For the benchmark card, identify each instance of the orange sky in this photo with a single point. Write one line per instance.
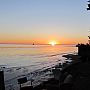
(43, 21)
(43, 40)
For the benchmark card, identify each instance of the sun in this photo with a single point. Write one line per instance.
(53, 43)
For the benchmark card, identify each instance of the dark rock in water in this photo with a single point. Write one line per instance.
(22, 80)
(27, 88)
(72, 57)
(52, 84)
(66, 86)
(56, 73)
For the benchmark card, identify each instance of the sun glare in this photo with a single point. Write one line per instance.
(53, 43)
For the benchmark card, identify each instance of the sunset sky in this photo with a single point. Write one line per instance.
(43, 21)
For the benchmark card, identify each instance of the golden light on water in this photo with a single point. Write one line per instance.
(53, 43)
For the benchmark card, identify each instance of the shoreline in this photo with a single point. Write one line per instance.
(71, 66)
(73, 57)
(68, 57)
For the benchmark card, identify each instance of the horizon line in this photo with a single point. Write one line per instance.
(36, 44)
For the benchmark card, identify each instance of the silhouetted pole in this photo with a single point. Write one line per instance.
(2, 85)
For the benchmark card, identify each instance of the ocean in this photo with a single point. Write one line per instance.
(29, 61)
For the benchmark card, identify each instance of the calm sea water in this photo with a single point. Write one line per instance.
(29, 55)
(18, 60)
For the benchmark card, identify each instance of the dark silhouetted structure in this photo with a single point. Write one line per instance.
(2, 85)
(84, 51)
(88, 5)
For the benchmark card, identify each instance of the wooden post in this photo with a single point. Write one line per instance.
(2, 85)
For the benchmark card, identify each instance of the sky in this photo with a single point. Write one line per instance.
(43, 21)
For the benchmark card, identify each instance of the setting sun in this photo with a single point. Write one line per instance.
(53, 43)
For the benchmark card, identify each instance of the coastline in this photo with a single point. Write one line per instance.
(70, 68)
(45, 79)
(74, 76)
(73, 57)
(49, 84)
